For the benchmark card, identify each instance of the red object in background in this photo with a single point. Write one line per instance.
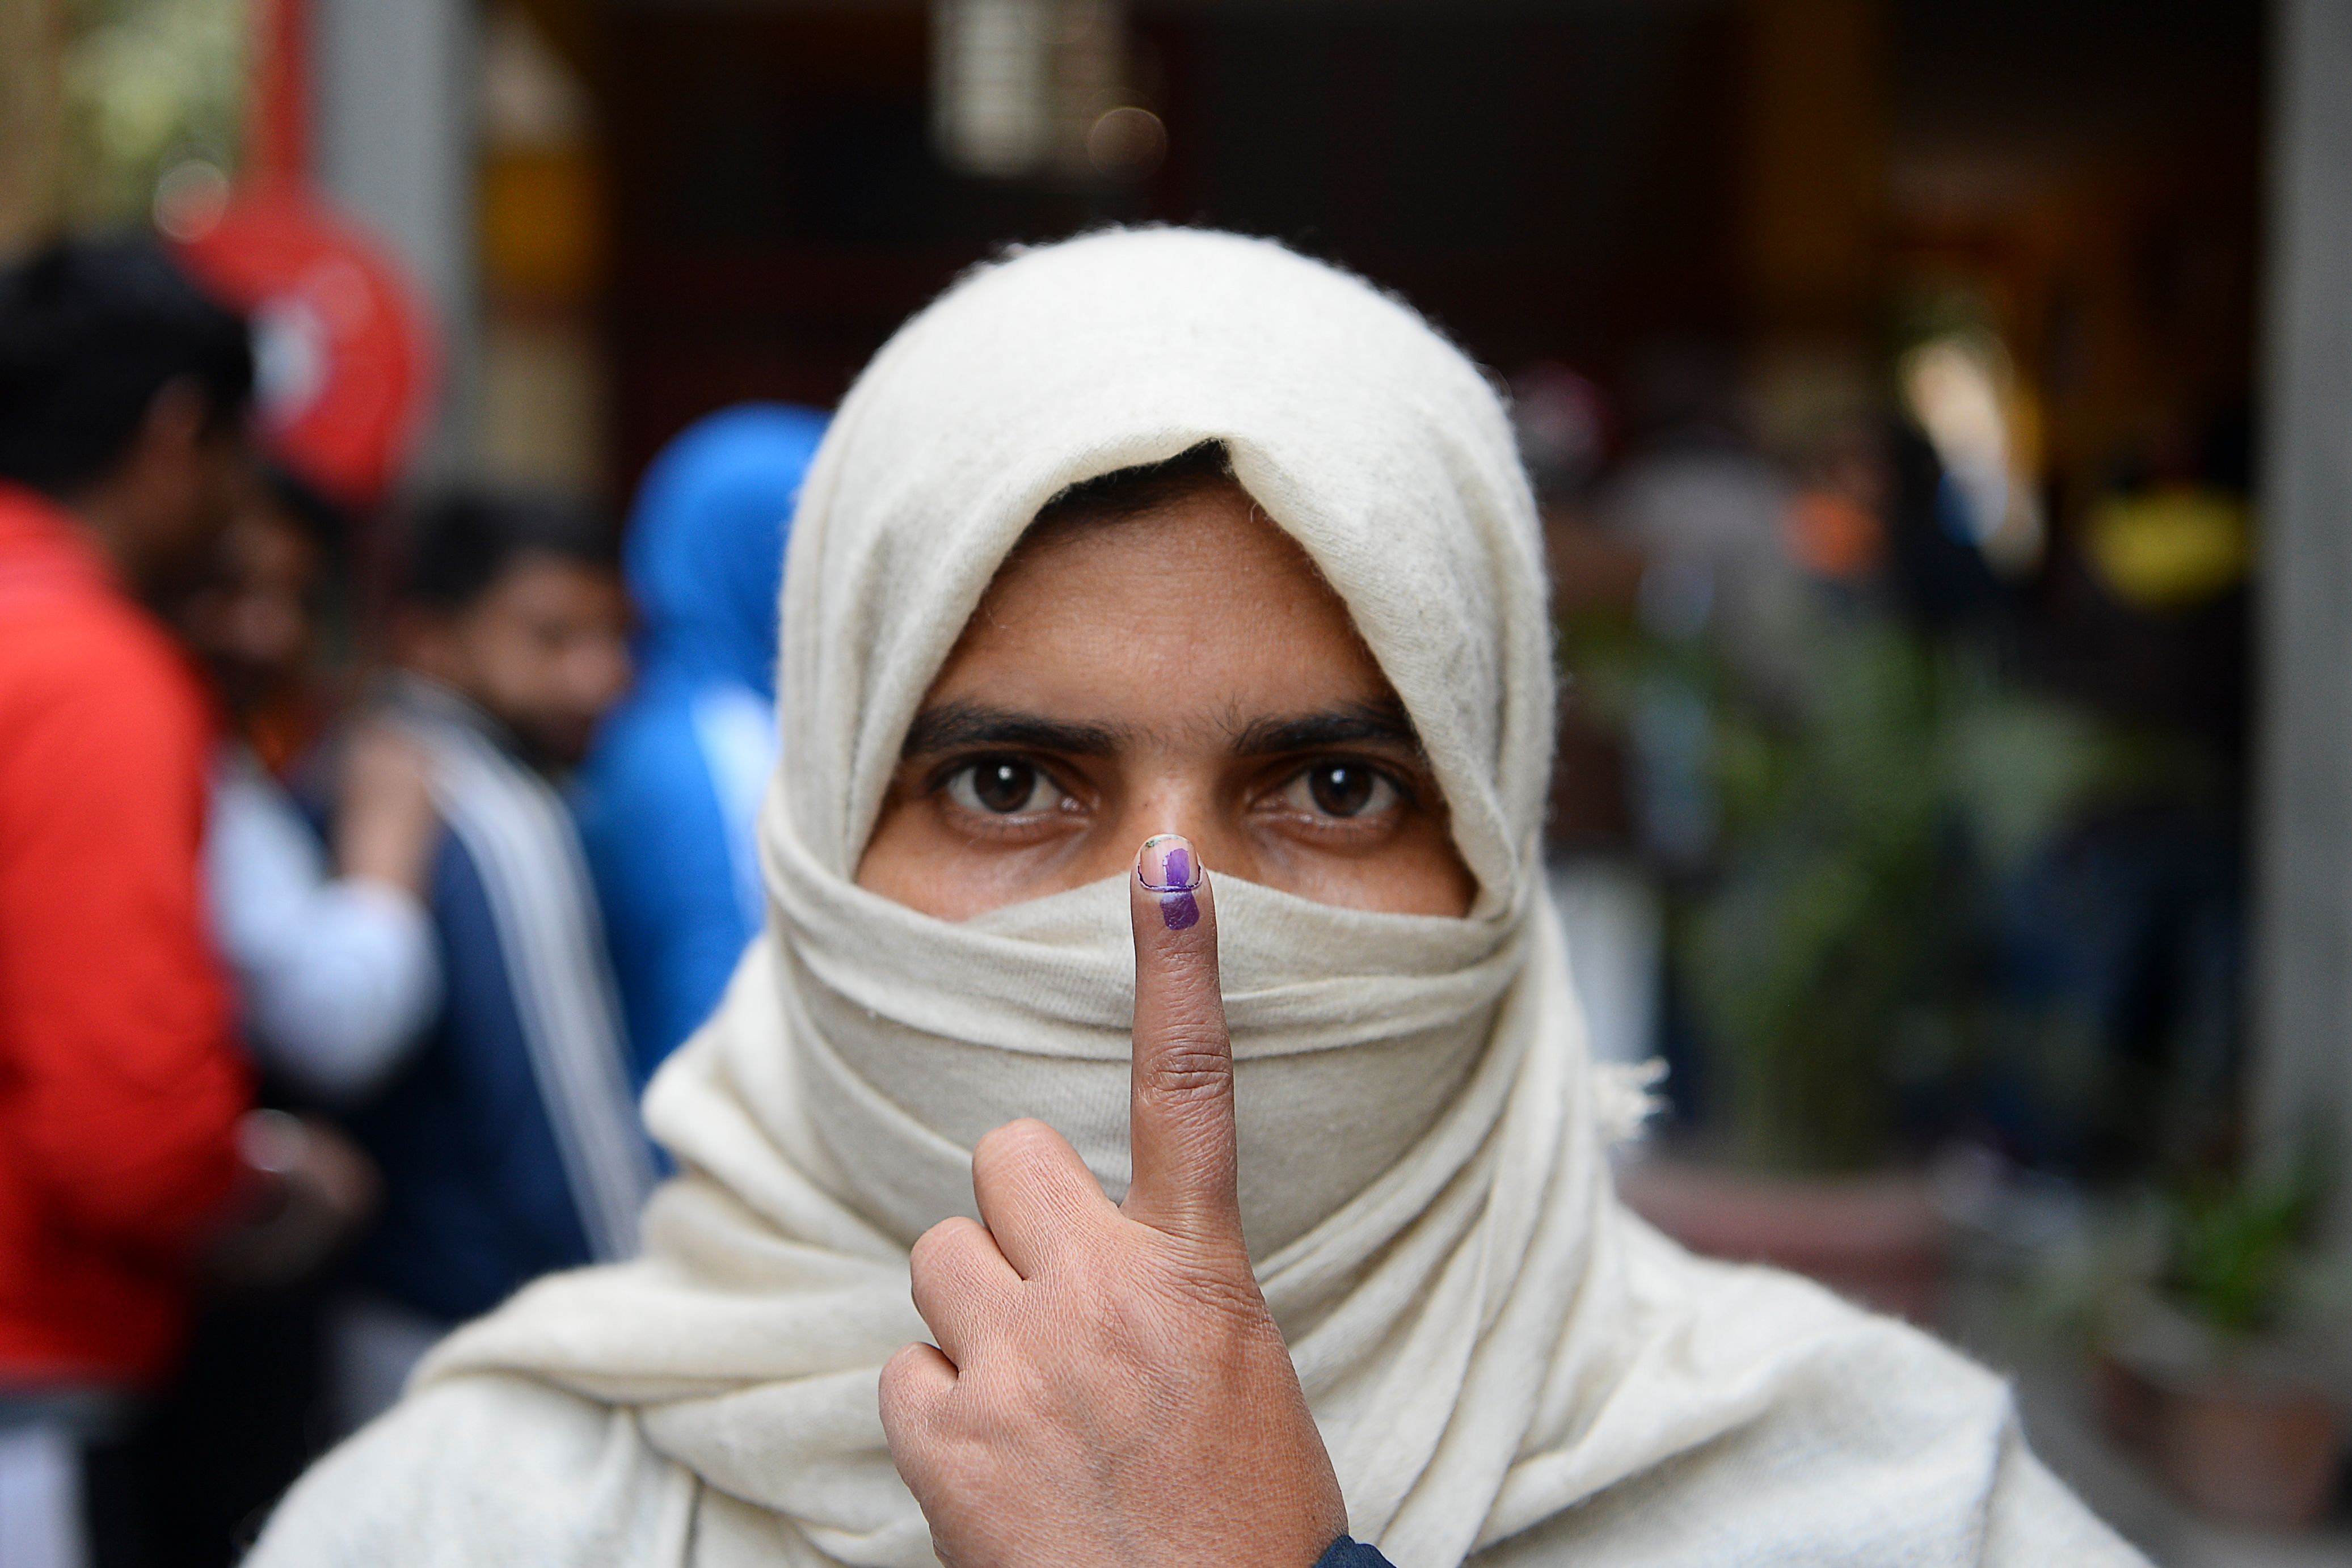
(343, 350)
(278, 101)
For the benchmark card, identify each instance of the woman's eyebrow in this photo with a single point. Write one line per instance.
(1353, 725)
(954, 725)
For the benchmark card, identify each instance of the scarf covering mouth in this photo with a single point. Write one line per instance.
(1485, 1338)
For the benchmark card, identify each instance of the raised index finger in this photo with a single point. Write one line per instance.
(1181, 1127)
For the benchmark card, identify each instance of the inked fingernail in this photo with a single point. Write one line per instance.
(1168, 864)
(1170, 868)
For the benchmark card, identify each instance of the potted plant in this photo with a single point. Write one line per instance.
(1820, 956)
(2221, 1361)
(1835, 799)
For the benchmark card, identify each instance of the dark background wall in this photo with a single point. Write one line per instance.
(1565, 181)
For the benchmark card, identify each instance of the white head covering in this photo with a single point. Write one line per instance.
(1484, 1336)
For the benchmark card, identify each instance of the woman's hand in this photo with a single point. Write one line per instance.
(1108, 1387)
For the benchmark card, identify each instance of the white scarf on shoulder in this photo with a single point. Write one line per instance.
(1483, 1335)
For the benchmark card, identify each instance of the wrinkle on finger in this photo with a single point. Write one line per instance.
(1035, 1194)
(962, 1287)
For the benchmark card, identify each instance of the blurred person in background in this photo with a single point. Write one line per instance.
(509, 1139)
(336, 972)
(127, 1156)
(2123, 936)
(1704, 508)
(336, 965)
(679, 771)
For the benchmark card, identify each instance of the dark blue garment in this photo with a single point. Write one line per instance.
(666, 796)
(476, 1202)
(1349, 1553)
(2123, 953)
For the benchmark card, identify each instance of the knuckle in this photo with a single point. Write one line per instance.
(1117, 1302)
(1133, 1333)
(937, 1248)
(899, 1385)
(1012, 1148)
(1234, 1300)
(1024, 1396)
(1192, 1061)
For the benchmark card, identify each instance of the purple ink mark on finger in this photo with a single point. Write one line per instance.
(1168, 866)
(1180, 910)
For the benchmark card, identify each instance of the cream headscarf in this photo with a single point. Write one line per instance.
(1484, 1336)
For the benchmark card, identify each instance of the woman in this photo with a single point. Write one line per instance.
(1008, 657)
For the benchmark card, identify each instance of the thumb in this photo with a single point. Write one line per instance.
(1180, 1112)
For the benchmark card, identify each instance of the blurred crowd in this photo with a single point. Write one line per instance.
(1932, 804)
(1901, 807)
(339, 931)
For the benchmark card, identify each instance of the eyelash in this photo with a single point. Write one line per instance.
(1401, 793)
(944, 781)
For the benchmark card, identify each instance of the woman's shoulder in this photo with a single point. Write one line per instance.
(487, 1470)
(1859, 1438)
(1742, 1502)
(1813, 1348)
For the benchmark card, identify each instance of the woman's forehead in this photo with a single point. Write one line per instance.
(1197, 613)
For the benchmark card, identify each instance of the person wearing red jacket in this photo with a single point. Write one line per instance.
(126, 1148)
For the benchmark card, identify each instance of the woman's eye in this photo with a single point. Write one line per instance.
(1341, 789)
(1002, 786)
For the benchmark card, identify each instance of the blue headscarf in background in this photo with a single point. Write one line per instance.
(669, 794)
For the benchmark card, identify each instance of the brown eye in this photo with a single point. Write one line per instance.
(1002, 786)
(1342, 789)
